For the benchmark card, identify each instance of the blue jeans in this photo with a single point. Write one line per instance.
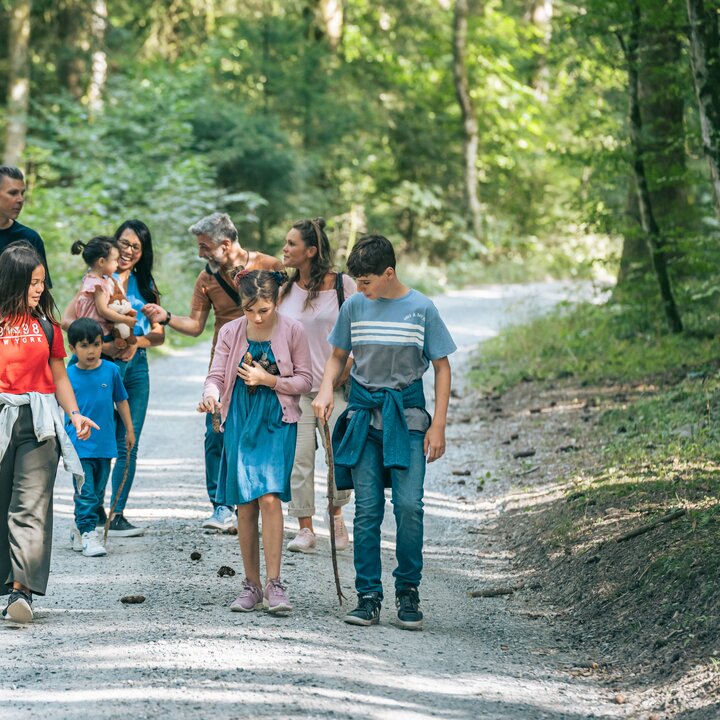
(407, 500)
(97, 472)
(137, 383)
(213, 453)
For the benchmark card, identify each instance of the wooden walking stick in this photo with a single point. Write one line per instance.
(115, 499)
(331, 507)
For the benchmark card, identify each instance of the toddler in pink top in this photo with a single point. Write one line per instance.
(98, 287)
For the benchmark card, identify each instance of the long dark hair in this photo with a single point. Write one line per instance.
(17, 263)
(312, 233)
(147, 287)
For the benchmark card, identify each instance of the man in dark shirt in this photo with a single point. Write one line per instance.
(12, 199)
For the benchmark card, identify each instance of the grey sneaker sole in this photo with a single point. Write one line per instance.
(98, 553)
(19, 611)
(409, 624)
(135, 532)
(306, 551)
(211, 525)
(353, 620)
(239, 608)
(282, 607)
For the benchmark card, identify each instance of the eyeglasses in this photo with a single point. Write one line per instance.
(125, 245)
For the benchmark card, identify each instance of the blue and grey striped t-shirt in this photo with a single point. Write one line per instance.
(393, 341)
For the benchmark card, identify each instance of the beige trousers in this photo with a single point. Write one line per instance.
(302, 481)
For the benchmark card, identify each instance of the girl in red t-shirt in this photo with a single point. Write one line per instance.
(32, 383)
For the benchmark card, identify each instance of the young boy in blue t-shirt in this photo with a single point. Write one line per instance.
(385, 436)
(99, 390)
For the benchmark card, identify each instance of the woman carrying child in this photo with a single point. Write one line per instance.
(101, 256)
(313, 296)
(270, 355)
(32, 383)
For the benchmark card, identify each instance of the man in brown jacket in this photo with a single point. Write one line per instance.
(218, 245)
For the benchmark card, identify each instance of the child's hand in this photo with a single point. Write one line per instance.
(209, 405)
(253, 374)
(434, 444)
(130, 319)
(129, 439)
(323, 405)
(82, 426)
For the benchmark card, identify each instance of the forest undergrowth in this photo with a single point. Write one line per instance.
(612, 439)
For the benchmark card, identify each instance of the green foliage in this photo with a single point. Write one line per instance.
(591, 343)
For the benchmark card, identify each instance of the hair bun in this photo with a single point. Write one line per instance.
(320, 222)
(280, 277)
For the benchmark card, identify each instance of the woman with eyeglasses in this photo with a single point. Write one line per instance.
(134, 273)
(313, 296)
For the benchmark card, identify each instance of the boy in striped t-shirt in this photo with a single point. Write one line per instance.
(385, 436)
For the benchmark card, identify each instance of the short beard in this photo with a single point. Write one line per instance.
(213, 265)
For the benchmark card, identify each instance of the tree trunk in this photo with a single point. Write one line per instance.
(18, 81)
(98, 74)
(652, 231)
(705, 57)
(332, 19)
(74, 47)
(539, 13)
(470, 125)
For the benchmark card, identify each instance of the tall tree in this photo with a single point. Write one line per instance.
(98, 70)
(539, 14)
(332, 14)
(469, 117)
(19, 80)
(705, 57)
(654, 238)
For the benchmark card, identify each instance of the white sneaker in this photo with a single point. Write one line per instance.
(76, 540)
(91, 546)
(303, 542)
(342, 538)
(223, 519)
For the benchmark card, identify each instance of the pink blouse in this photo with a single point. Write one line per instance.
(85, 304)
(318, 320)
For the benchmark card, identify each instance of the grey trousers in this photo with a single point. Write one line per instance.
(27, 478)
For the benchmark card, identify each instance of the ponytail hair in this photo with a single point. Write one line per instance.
(95, 249)
(254, 285)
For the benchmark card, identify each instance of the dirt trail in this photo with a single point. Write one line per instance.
(184, 654)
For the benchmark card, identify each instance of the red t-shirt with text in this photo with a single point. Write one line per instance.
(25, 356)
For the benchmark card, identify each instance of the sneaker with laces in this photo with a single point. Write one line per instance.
(222, 519)
(120, 527)
(367, 611)
(342, 538)
(303, 542)
(409, 616)
(251, 598)
(102, 517)
(19, 607)
(76, 540)
(275, 598)
(91, 545)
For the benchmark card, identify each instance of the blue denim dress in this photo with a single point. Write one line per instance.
(258, 447)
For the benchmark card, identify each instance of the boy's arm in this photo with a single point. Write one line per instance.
(123, 408)
(101, 304)
(434, 445)
(322, 405)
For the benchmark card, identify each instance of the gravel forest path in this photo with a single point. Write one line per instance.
(182, 654)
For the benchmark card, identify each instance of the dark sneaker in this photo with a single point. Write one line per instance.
(19, 607)
(120, 527)
(102, 517)
(407, 602)
(367, 612)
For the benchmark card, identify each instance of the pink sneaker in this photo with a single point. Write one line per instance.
(303, 542)
(251, 598)
(342, 539)
(275, 598)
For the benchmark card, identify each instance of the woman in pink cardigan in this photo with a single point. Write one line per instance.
(269, 353)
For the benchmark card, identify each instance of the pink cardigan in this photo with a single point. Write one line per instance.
(292, 356)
